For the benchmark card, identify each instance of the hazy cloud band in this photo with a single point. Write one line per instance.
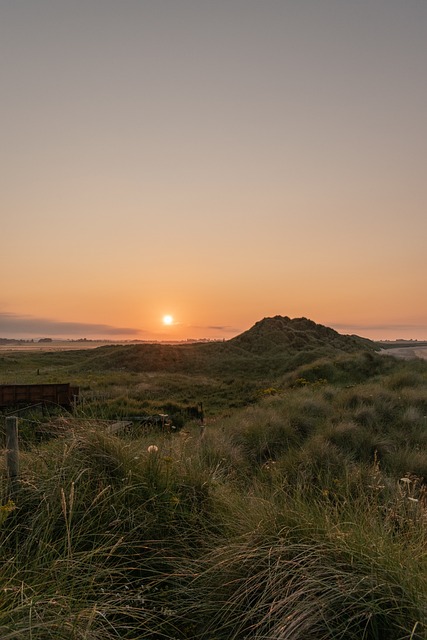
(18, 326)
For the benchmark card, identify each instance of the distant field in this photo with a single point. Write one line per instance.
(57, 345)
(68, 345)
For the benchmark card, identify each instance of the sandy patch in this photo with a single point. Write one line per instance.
(406, 353)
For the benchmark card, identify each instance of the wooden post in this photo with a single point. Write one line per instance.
(12, 449)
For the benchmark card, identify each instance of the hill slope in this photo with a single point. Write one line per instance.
(272, 335)
(272, 345)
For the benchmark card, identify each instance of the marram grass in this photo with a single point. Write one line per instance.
(302, 516)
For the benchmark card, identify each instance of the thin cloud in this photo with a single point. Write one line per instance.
(225, 328)
(20, 325)
(380, 327)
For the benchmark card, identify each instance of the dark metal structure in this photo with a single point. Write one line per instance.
(13, 395)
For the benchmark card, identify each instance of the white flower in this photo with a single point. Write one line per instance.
(153, 448)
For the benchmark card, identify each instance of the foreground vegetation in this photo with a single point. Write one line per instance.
(300, 514)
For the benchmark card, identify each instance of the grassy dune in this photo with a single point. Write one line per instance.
(300, 514)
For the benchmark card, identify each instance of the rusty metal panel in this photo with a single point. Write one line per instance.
(15, 394)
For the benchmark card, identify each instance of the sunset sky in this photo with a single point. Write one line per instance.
(217, 161)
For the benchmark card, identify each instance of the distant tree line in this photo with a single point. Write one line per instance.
(15, 341)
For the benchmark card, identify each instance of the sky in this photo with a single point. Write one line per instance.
(217, 161)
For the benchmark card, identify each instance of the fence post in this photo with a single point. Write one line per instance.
(12, 450)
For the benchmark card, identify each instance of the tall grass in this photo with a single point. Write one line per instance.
(303, 516)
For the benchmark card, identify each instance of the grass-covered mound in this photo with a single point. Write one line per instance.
(133, 380)
(301, 516)
(273, 345)
(283, 334)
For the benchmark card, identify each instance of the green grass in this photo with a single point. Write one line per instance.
(298, 512)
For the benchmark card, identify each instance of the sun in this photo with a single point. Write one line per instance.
(168, 320)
